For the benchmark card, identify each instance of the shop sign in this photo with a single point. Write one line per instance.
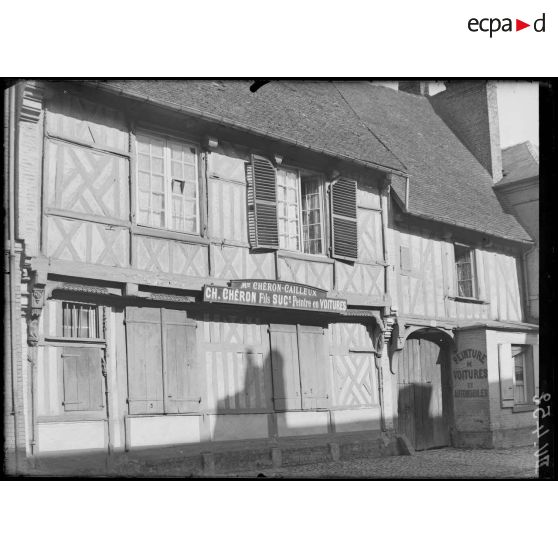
(274, 294)
(470, 374)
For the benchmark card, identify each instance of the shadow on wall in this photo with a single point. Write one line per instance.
(236, 413)
(251, 413)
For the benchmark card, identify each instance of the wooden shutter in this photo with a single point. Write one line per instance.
(314, 367)
(82, 379)
(478, 275)
(344, 241)
(285, 367)
(262, 204)
(181, 371)
(145, 368)
(506, 369)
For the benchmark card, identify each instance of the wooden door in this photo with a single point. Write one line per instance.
(422, 417)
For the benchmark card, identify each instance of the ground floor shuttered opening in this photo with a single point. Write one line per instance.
(160, 376)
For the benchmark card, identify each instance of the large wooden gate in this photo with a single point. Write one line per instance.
(422, 377)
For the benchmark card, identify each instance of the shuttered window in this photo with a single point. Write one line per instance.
(344, 219)
(262, 204)
(167, 178)
(286, 210)
(78, 339)
(163, 371)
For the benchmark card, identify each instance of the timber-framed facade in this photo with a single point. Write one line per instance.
(185, 276)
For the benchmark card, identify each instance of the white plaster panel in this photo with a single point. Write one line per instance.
(162, 430)
(68, 436)
(301, 423)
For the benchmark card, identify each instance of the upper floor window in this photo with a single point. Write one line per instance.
(287, 209)
(465, 271)
(300, 212)
(168, 189)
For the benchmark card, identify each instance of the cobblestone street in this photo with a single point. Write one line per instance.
(435, 464)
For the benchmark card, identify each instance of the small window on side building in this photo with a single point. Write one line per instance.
(520, 381)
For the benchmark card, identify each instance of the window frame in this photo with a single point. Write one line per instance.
(528, 384)
(323, 212)
(61, 343)
(167, 182)
(474, 282)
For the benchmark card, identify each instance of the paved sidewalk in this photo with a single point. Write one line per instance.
(439, 463)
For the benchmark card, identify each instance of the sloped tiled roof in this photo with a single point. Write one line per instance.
(368, 123)
(446, 181)
(519, 162)
(305, 113)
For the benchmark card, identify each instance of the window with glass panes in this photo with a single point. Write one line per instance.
(288, 209)
(464, 267)
(168, 193)
(312, 214)
(80, 320)
(300, 211)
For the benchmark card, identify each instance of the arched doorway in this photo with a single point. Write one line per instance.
(424, 390)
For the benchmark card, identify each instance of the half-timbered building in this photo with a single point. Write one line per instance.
(192, 264)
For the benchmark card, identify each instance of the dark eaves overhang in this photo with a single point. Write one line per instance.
(191, 111)
(447, 221)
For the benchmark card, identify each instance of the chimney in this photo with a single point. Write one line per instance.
(470, 109)
(415, 87)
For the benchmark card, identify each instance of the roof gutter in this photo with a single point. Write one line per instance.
(242, 127)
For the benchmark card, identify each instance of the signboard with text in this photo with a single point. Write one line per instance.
(274, 294)
(470, 374)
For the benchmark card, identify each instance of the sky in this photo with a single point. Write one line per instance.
(518, 111)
